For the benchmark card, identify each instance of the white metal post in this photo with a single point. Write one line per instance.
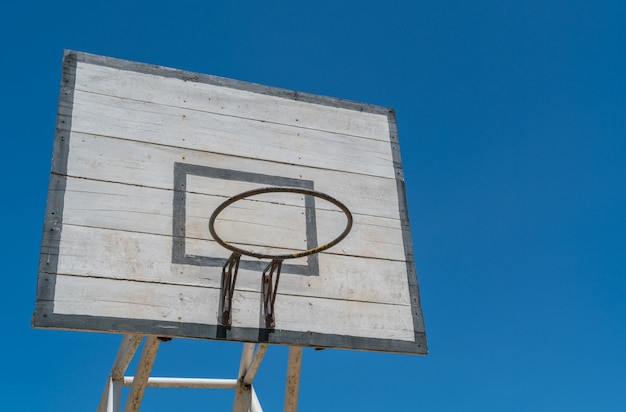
(112, 403)
(197, 383)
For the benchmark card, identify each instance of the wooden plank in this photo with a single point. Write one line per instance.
(139, 121)
(141, 164)
(102, 253)
(226, 101)
(146, 210)
(117, 206)
(153, 301)
(272, 234)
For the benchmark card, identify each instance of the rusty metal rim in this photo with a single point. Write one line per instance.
(254, 192)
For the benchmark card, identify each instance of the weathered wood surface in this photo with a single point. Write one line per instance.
(101, 204)
(115, 254)
(175, 303)
(117, 118)
(228, 102)
(150, 165)
(116, 191)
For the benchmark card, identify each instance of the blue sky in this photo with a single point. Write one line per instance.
(512, 123)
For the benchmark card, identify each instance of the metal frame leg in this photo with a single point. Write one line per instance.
(110, 401)
(111, 398)
(292, 388)
(140, 381)
(245, 400)
(245, 396)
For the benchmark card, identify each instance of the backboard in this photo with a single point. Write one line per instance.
(143, 155)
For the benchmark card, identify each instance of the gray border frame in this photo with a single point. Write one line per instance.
(44, 315)
(182, 170)
(53, 220)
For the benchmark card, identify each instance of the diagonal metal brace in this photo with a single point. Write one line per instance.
(269, 286)
(229, 277)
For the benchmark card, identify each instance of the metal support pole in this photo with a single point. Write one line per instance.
(113, 396)
(246, 357)
(245, 396)
(110, 401)
(294, 364)
(246, 399)
(254, 365)
(256, 405)
(198, 383)
(148, 354)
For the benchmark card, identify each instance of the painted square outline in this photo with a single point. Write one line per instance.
(179, 255)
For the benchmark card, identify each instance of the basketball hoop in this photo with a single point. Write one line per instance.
(268, 284)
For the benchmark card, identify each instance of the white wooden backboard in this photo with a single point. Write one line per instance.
(142, 157)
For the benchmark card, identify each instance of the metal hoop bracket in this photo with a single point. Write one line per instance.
(229, 277)
(269, 286)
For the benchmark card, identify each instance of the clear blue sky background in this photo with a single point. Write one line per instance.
(512, 122)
